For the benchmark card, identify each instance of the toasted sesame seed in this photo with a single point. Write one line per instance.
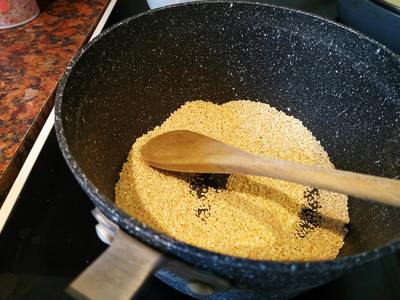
(245, 216)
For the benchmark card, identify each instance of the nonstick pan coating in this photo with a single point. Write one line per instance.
(343, 86)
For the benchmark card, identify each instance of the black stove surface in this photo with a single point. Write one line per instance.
(50, 236)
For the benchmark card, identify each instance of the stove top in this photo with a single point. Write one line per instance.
(50, 238)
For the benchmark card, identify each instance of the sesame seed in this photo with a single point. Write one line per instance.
(245, 216)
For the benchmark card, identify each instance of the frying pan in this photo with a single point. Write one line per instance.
(344, 86)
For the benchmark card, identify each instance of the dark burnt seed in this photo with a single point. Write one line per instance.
(200, 183)
(203, 212)
(309, 215)
(199, 186)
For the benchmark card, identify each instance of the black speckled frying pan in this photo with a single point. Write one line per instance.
(342, 85)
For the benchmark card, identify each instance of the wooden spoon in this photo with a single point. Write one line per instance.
(187, 151)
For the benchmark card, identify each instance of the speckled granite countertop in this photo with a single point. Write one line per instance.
(32, 60)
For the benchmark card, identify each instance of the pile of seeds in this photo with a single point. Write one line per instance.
(245, 216)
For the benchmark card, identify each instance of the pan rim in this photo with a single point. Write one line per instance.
(168, 244)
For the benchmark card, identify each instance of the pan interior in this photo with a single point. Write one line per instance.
(343, 87)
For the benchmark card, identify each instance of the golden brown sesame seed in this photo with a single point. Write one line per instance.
(250, 217)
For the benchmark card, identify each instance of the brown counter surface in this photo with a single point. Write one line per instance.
(33, 58)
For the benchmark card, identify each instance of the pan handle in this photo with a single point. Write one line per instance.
(120, 271)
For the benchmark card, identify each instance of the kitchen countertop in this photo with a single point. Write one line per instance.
(33, 58)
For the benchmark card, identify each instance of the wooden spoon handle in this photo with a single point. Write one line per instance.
(359, 185)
